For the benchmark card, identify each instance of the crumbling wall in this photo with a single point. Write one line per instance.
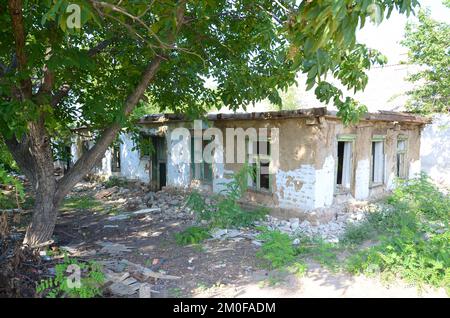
(132, 166)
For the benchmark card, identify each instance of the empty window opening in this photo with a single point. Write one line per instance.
(377, 162)
(401, 159)
(344, 164)
(260, 164)
(200, 170)
(115, 159)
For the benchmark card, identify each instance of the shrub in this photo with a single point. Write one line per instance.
(192, 235)
(90, 281)
(226, 212)
(277, 250)
(414, 237)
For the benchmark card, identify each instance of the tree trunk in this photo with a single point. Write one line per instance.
(43, 222)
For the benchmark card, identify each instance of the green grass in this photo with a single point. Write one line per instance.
(81, 203)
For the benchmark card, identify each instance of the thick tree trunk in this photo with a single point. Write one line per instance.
(43, 222)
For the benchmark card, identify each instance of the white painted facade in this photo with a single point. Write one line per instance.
(435, 149)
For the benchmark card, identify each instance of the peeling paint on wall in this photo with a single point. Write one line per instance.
(132, 166)
(178, 166)
(324, 187)
(287, 184)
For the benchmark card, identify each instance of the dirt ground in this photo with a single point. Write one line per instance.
(216, 268)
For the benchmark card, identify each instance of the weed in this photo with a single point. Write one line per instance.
(61, 285)
(192, 235)
(227, 212)
(299, 269)
(414, 237)
(277, 249)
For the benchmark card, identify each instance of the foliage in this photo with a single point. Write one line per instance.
(277, 250)
(250, 58)
(6, 159)
(421, 197)
(192, 235)
(59, 286)
(429, 48)
(414, 237)
(227, 212)
(6, 201)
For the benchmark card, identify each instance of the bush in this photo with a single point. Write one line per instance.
(414, 237)
(192, 235)
(277, 250)
(90, 281)
(227, 212)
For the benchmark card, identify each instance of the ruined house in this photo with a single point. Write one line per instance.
(321, 162)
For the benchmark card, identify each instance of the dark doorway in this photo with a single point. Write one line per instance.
(162, 175)
(158, 162)
(340, 163)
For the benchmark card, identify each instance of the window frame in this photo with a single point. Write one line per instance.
(377, 139)
(351, 138)
(255, 185)
(404, 152)
(200, 167)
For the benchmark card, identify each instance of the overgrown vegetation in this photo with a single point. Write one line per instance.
(73, 279)
(277, 250)
(409, 240)
(413, 237)
(226, 212)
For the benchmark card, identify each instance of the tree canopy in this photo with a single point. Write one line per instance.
(89, 63)
(429, 48)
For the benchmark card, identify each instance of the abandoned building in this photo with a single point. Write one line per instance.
(321, 161)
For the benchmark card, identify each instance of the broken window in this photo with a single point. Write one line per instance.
(259, 161)
(401, 159)
(145, 146)
(200, 170)
(115, 158)
(344, 164)
(377, 160)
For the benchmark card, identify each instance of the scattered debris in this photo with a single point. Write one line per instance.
(125, 216)
(113, 248)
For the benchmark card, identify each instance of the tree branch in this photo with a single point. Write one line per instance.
(93, 155)
(65, 89)
(15, 10)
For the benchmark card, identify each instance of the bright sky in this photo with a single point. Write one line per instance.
(386, 87)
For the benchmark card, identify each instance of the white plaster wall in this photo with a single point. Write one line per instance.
(414, 169)
(362, 179)
(131, 165)
(296, 188)
(178, 160)
(324, 185)
(435, 149)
